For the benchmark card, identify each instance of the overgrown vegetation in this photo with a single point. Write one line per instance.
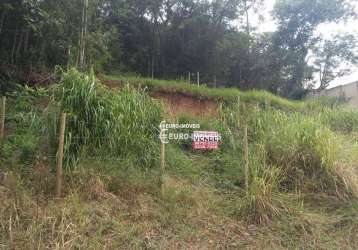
(120, 124)
(167, 40)
(343, 121)
(302, 173)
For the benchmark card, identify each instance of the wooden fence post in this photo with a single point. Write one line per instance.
(189, 77)
(2, 118)
(60, 155)
(198, 78)
(246, 159)
(162, 166)
(267, 103)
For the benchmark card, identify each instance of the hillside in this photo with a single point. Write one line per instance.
(202, 92)
(303, 169)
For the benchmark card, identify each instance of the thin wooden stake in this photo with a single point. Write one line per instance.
(2, 118)
(189, 77)
(267, 103)
(60, 155)
(162, 166)
(246, 159)
(198, 78)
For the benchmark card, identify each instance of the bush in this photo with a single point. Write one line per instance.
(26, 127)
(262, 202)
(302, 147)
(340, 120)
(288, 152)
(122, 124)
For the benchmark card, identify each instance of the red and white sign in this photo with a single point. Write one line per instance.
(205, 140)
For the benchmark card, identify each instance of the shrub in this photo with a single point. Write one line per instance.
(262, 202)
(322, 102)
(340, 120)
(288, 152)
(302, 147)
(100, 121)
(26, 126)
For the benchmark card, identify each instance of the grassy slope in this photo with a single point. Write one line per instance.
(110, 205)
(124, 211)
(227, 94)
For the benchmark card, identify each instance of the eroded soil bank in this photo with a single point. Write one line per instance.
(176, 103)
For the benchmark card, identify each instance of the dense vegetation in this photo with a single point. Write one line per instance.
(302, 173)
(117, 68)
(117, 123)
(168, 39)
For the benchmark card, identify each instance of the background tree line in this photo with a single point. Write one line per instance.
(169, 38)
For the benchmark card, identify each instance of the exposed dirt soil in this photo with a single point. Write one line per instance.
(176, 103)
(111, 83)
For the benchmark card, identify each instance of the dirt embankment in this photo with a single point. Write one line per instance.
(177, 103)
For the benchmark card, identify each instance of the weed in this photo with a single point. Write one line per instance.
(340, 120)
(118, 124)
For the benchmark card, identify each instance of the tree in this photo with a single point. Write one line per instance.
(297, 20)
(169, 38)
(335, 58)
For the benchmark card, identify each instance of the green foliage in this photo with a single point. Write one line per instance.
(298, 144)
(121, 124)
(331, 54)
(168, 40)
(323, 102)
(179, 163)
(340, 120)
(297, 21)
(20, 152)
(288, 152)
(26, 111)
(263, 201)
(303, 147)
(229, 95)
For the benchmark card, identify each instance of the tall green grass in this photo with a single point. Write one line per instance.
(289, 152)
(26, 127)
(102, 122)
(340, 120)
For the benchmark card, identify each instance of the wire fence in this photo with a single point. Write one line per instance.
(57, 153)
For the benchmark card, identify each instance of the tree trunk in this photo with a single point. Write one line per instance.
(249, 63)
(247, 22)
(153, 61)
(19, 45)
(2, 20)
(148, 68)
(69, 56)
(82, 45)
(13, 47)
(159, 38)
(154, 49)
(26, 42)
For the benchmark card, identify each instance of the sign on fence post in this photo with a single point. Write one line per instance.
(201, 140)
(205, 140)
(60, 155)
